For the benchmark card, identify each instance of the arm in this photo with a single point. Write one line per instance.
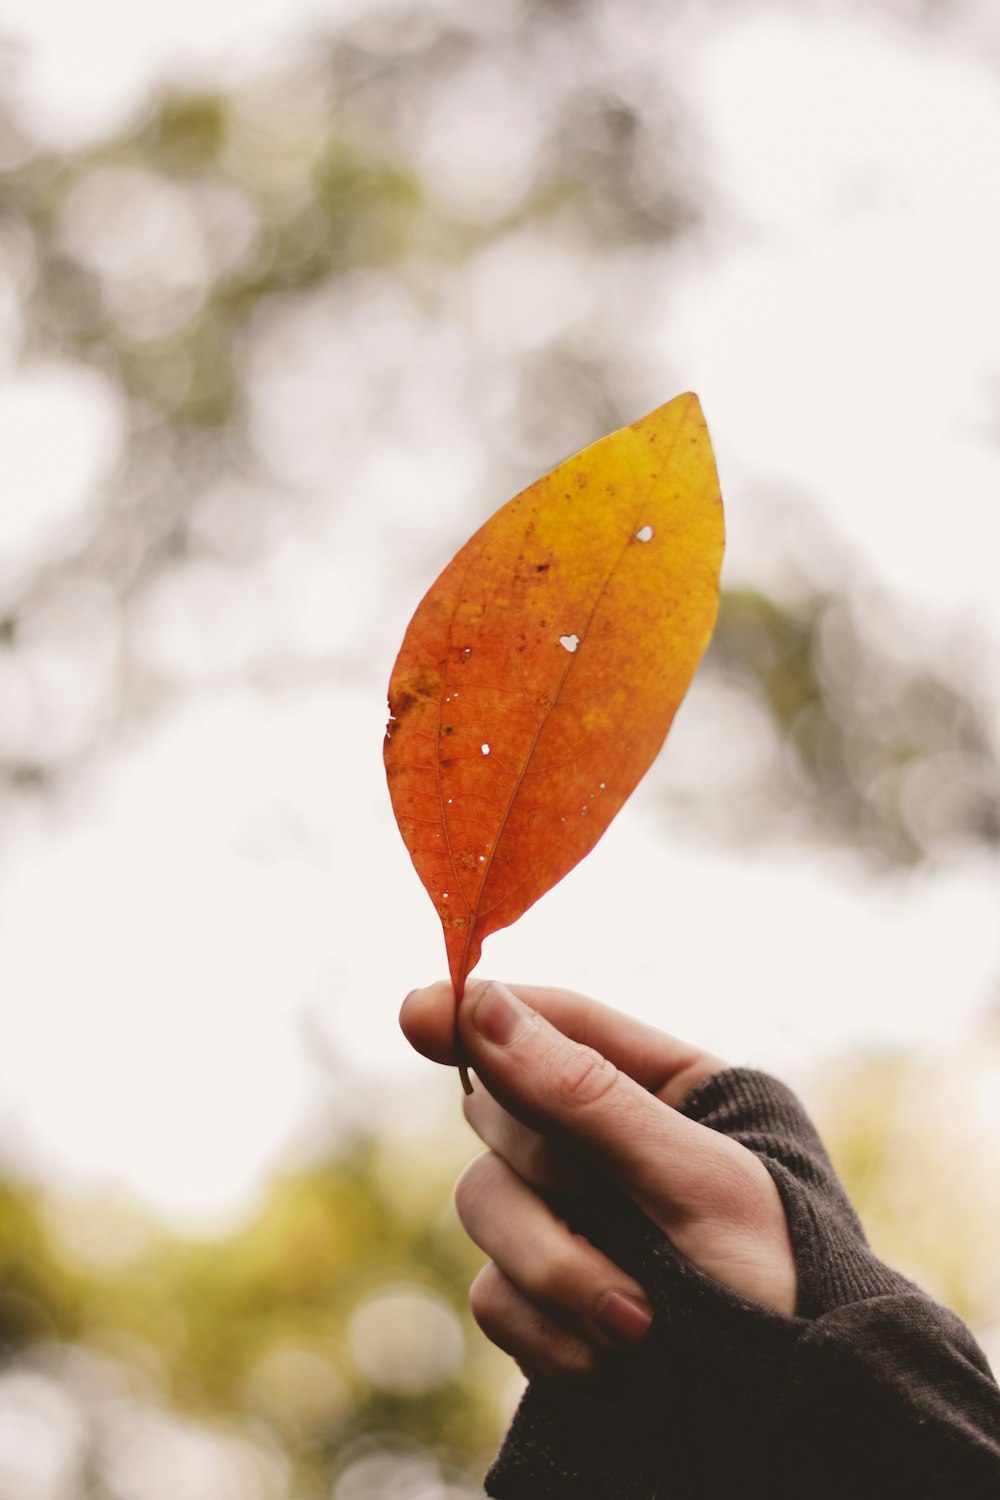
(673, 1260)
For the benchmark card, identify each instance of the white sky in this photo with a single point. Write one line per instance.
(844, 335)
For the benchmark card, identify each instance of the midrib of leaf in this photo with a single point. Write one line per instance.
(475, 913)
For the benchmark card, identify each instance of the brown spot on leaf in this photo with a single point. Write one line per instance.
(400, 704)
(416, 687)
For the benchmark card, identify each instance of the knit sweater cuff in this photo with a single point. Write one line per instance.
(727, 1397)
(834, 1264)
(711, 1349)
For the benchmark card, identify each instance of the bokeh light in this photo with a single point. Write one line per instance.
(406, 1339)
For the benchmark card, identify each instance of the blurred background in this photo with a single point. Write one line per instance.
(292, 296)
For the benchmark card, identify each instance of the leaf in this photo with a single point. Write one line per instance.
(542, 671)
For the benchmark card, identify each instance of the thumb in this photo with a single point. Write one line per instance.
(668, 1164)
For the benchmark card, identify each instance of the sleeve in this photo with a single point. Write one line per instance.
(870, 1390)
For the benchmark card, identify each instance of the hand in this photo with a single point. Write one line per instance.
(577, 1100)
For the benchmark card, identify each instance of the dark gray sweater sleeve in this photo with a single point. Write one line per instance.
(871, 1391)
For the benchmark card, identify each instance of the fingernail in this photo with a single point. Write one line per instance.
(499, 1016)
(411, 996)
(421, 989)
(624, 1318)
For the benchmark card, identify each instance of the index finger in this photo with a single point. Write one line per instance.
(658, 1061)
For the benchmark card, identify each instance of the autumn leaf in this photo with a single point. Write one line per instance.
(541, 672)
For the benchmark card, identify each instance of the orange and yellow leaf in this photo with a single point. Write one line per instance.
(542, 671)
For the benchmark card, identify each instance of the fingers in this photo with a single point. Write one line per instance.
(670, 1166)
(538, 1160)
(427, 1019)
(713, 1198)
(539, 1344)
(660, 1063)
(559, 1276)
(572, 1080)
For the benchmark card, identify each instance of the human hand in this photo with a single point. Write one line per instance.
(578, 1100)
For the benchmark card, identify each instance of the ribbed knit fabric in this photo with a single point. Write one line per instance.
(870, 1390)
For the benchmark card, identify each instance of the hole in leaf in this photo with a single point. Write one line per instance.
(569, 642)
(485, 749)
(644, 534)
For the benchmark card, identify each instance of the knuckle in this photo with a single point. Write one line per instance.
(539, 1162)
(522, 1329)
(532, 1154)
(555, 1281)
(486, 1301)
(584, 1077)
(474, 1188)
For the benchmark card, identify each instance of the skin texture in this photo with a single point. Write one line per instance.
(576, 1102)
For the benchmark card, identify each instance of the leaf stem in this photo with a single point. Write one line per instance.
(460, 1058)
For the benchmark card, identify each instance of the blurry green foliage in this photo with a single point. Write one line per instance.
(257, 1333)
(186, 134)
(900, 1129)
(38, 1297)
(893, 757)
(310, 181)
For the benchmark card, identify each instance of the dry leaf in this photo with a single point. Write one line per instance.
(541, 672)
